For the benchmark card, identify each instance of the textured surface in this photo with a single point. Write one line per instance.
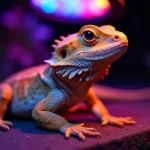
(26, 134)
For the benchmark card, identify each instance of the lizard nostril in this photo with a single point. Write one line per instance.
(116, 37)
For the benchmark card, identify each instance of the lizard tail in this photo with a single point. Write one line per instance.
(117, 94)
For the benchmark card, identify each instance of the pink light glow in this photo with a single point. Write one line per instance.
(95, 10)
(37, 3)
(70, 9)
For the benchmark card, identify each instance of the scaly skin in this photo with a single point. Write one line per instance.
(45, 91)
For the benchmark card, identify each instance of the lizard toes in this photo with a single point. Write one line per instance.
(4, 127)
(8, 123)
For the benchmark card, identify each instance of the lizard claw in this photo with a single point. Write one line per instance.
(80, 131)
(117, 121)
(4, 125)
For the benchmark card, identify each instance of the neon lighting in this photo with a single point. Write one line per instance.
(73, 9)
(49, 6)
(102, 3)
(37, 3)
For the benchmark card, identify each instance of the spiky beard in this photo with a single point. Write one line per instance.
(84, 74)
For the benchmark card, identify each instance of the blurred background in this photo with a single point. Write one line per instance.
(29, 27)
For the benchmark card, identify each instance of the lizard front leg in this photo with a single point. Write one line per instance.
(5, 98)
(102, 113)
(44, 114)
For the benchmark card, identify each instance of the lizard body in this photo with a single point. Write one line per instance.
(79, 61)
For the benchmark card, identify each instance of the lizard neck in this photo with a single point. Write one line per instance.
(50, 78)
(74, 87)
(77, 87)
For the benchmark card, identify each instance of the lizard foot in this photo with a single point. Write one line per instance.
(117, 121)
(4, 125)
(80, 131)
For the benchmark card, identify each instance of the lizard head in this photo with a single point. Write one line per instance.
(86, 55)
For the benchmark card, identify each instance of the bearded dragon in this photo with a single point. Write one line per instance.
(46, 91)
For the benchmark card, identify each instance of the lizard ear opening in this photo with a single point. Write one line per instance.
(62, 53)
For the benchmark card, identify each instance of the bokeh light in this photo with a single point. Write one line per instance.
(49, 6)
(70, 10)
(25, 40)
(101, 3)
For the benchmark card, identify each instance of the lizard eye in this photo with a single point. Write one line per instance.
(89, 37)
(62, 53)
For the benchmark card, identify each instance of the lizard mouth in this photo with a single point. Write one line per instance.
(117, 51)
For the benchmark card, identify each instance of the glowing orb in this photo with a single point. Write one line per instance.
(72, 10)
